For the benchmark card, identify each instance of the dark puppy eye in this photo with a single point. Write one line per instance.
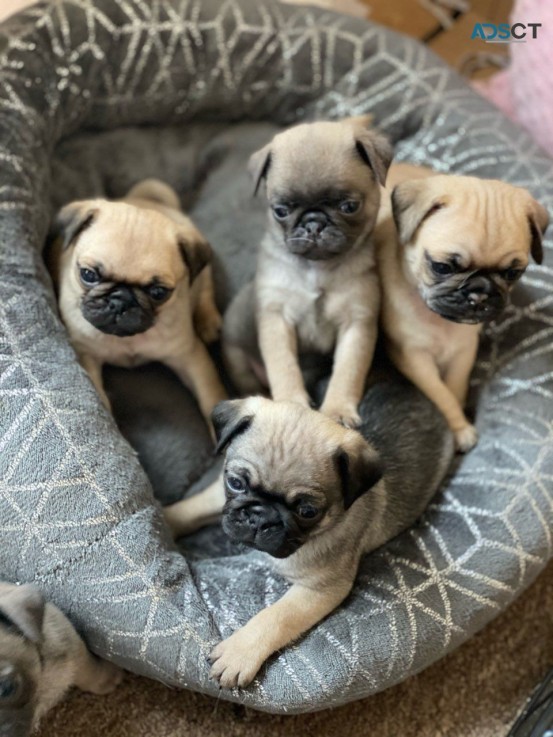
(9, 685)
(281, 211)
(307, 511)
(349, 207)
(441, 269)
(512, 274)
(90, 277)
(158, 293)
(236, 484)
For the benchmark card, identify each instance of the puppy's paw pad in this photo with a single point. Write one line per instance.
(234, 664)
(466, 438)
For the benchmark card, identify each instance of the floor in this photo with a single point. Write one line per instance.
(474, 692)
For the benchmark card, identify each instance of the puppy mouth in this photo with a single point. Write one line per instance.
(265, 536)
(132, 322)
(330, 243)
(113, 315)
(458, 306)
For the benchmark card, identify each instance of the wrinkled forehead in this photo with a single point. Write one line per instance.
(131, 244)
(283, 453)
(16, 650)
(486, 222)
(313, 160)
(484, 200)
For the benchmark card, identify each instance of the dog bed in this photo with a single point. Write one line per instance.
(95, 94)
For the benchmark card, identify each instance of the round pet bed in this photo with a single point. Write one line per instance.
(95, 94)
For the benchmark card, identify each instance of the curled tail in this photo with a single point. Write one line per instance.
(157, 191)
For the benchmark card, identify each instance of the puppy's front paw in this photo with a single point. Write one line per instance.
(466, 438)
(109, 677)
(235, 661)
(345, 414)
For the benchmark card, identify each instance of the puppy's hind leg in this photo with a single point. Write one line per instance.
(189, 515)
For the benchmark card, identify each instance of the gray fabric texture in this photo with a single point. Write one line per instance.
(94, 95)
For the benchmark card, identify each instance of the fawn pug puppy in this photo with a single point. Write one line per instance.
(315, 496)
(316, 288)
(450, 249)
(134, 286)
(41, 657)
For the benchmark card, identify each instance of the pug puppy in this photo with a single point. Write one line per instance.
(41, 657)
(134, 286)
(316, 290)
(315, 496)
(450, 249)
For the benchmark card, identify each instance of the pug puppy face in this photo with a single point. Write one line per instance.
(17, 693)
(21, 615)
(290, 473)
(127, 263)
(323, 185)
(467, 241)
(16, 699)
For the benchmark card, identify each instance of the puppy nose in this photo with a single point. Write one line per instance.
(261, 516)
(477, 298)
(314, 222)
(251, 514)
(478, 290)
(121, 298)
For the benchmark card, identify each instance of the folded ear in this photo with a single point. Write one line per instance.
(196, 253)
(259, 165)
(413, 202)
(539, 220)
(230, 418)
(72, 220)
(23, 607)
(373, 147)
(359, 469)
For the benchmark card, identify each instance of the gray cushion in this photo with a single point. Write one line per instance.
(76, 508)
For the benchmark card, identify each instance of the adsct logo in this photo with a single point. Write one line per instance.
(503, 33)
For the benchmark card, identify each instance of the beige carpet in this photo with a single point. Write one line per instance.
(474, 692)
